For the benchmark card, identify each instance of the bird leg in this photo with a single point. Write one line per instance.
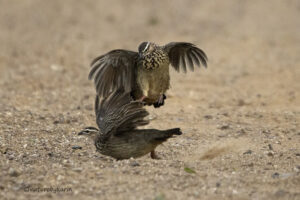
(142, 98)
(153, 155)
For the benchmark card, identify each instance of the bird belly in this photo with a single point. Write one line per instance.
(126, 146)
(153, 83)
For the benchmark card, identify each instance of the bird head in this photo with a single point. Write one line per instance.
(91, 132)
(146, 48)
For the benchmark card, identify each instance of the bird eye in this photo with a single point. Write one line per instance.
(146, 47)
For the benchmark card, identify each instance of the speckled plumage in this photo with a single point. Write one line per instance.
(145, 74)
(118, 117)
(154, 59)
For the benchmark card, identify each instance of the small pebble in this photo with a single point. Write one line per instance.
(241, 102)
(77, 169)
(270, 147)
(208, 117)
(270, 154)
(286, 175)
(297, 168)
(241, 131)
(222, 135)
(179, 119)
(248, 152)
(59, 177)
(11, 157)
(76, 147)
(280, 193)
(224, 127)
(13, 172)
(3, 150)
(275, 175)
(134, 164)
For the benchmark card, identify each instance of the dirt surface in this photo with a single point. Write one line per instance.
(240, 116)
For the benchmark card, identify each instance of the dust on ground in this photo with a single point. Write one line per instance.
(240, 116)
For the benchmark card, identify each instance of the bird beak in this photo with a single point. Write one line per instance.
(141, 55)
(83, 132)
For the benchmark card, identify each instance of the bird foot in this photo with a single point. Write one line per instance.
(160, 101)
(154, 156)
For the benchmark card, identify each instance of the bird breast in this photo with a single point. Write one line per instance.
(153, 83)
(154, 60)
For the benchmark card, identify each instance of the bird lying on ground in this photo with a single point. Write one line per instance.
(145, 74)
(118, 117)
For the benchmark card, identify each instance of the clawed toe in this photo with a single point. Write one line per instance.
(156, 105)
(160, 102)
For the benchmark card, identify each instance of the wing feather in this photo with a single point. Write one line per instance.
(183, 55)
(182, 63)
(118, 113)
(195, 57)
(114, 70)
(189, 60)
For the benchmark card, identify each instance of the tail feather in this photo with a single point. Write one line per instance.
(174, 131)
(166, 134)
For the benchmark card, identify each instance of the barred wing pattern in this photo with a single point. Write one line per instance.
(183, 55)
(114, 70)
(117, 113)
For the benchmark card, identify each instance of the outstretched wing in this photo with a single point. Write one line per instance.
(183, 55)
(113, 70)
(118, 112)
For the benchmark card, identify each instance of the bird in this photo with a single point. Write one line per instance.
(118, 118)
(145, 73)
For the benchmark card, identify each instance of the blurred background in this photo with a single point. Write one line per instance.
(248, 96)
(48, 45)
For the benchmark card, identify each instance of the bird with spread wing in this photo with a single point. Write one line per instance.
(118, 118)
(144, 74)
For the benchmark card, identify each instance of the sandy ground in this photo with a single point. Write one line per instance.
(240, 116)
